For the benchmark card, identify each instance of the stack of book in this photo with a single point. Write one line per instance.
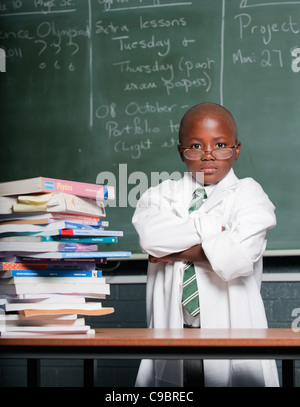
(51, 233)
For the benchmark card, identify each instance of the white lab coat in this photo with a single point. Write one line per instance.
(229, 290)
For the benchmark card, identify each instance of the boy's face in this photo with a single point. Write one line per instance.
(207, 134)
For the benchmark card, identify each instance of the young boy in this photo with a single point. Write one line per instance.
(224, 239)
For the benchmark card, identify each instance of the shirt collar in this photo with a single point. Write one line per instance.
(208, 188)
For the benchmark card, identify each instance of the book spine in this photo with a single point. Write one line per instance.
(75, 225)
(92, 239)
(55, 216)
(85, 289)
(79, 255)
(48, 247)
(94, 254)
(66, 262)
(51, 273)
(76, 247)
(84, 222)
(35, 264)
(86, 232)
(82, 189)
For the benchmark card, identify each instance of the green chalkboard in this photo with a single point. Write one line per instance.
(94, 91)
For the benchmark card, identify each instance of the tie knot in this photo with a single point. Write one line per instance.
(198, 197)
(200, 192)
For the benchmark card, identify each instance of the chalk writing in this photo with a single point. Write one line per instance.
(128, 67)
(104, 111)
(135, 150)
(163, 45)
(240, 57)
(185, 84)
(265, 58)
(134, 108)
(130, 86)
(50, 40)
(35, 7)
(188, 66)
(121, 5)
(162, 23)
(296, 59)
(137, 127)
(109, 28)
(266, 31)
(171, 143)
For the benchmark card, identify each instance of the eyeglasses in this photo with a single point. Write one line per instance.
(219, 153)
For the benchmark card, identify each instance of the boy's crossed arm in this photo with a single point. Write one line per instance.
(164, 235)
(193, 254)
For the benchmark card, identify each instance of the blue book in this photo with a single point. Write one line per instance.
(7, 246)
(78, 239)
(50, 273)
(55, 228)
(78, 255)
(91, 231)
(49, 264)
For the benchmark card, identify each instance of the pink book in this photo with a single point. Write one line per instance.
(42, 184)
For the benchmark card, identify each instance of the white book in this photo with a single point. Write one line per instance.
(54, 299)
(84, 289)
(74, 255)
(34, 297)
(50, 185)
(42, 297)
(32, 334)
(26, 216)
(68, 306)
(6, 246)
(52, 280)
(20, 228)
(17, 318)
(59, 202)
(20, 320)
(46, 329)
(6, 204)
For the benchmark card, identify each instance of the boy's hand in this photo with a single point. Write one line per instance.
(193, 254)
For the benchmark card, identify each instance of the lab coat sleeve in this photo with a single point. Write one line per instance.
(160, 227)
(233, 252)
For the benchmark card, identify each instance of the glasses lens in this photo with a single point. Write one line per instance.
(193, 154)
(219, 154)
(223, 153)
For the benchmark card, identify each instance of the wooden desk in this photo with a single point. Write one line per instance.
(283, 344)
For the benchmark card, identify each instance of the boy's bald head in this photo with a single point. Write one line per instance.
(207, 110)
(206, 129)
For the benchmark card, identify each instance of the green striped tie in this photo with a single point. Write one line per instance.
(190, 299)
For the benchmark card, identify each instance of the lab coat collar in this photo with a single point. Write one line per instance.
(226, 184)
(182, 190)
